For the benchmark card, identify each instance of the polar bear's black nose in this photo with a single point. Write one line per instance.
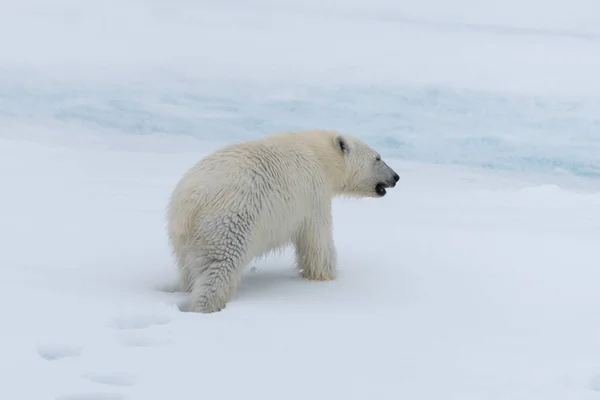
(396, 177)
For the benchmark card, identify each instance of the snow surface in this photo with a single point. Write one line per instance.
(476, 278)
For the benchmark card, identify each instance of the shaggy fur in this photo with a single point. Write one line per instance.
(250, 198)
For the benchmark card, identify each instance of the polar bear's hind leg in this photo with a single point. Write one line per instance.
(215, 284)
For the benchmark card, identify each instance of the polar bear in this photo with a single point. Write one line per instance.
(248, 199)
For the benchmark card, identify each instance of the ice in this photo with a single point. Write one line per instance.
(475, 278)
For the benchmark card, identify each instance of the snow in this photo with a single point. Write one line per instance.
(475, 278)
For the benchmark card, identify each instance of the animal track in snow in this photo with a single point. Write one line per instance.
(126, 324)
(169, 287)
(58, 351)
(138, 321)
(183, 305)
(113, 379)
(92, 396)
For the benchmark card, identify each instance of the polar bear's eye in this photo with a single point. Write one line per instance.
(378, 158)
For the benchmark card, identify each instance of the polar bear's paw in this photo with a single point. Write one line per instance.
(204, 305)
(317, 275)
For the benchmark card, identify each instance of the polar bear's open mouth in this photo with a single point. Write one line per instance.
(380, 189)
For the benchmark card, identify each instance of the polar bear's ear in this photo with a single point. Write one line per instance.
(341, 144)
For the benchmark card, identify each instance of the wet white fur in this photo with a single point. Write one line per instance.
(248, 199)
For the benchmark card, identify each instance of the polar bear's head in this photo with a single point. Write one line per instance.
(367, 175)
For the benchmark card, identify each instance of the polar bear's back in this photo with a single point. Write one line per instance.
(238, 173)
(270, 184)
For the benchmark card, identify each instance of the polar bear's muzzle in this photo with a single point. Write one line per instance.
(381, 187)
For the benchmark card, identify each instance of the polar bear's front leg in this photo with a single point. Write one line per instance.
(315, 250)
